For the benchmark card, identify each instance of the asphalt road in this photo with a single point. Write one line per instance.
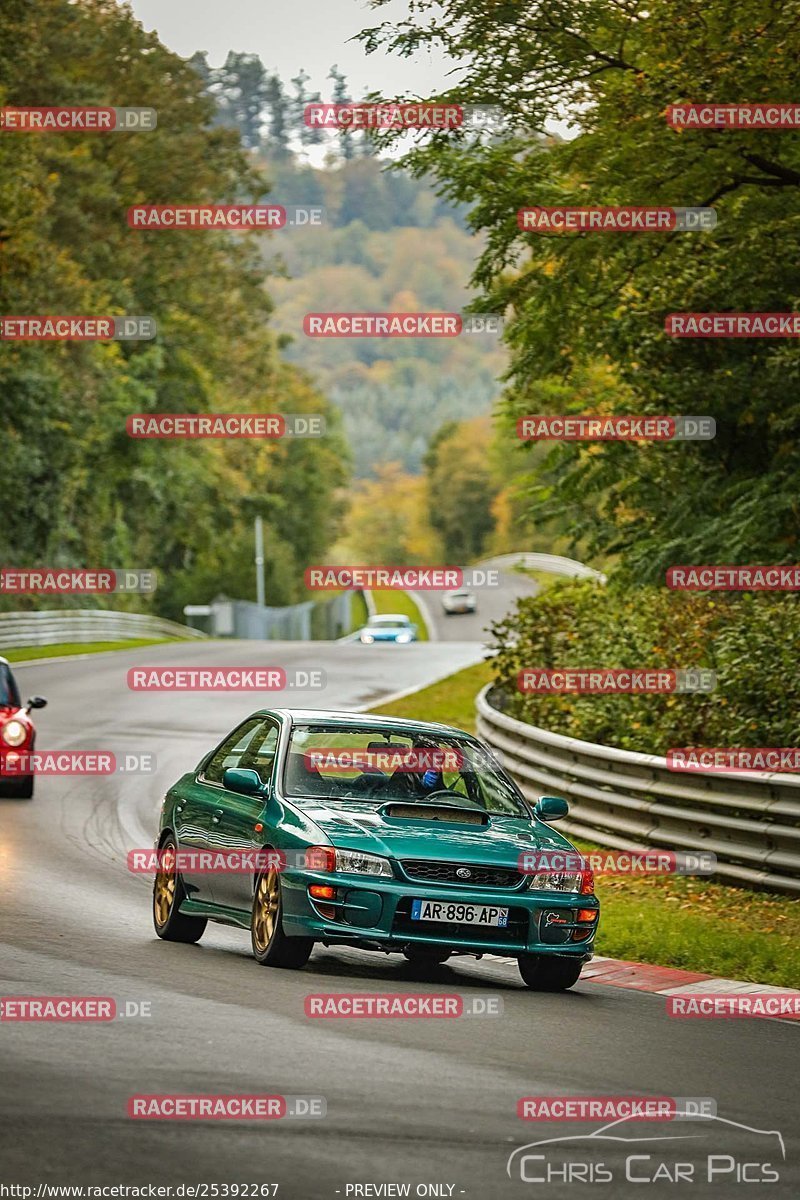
(493, 604)
(417, 1102)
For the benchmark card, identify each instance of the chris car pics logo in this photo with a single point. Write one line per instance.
(695, 1147)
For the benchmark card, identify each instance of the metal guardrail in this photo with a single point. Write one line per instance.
(625, 800)
(84, 625)
(551, 564)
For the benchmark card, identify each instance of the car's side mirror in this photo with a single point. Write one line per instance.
(35, 702)
(242, 779)
(551, 808)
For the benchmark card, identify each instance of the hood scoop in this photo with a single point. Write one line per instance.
(453, 814)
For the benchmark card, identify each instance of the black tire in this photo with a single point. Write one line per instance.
(169, 922)
(426, 956)
(271, 946)
(19, 789)
(545, 973)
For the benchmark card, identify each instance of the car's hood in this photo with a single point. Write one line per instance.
(359, 825)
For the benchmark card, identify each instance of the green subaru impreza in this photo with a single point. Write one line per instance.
(389, 835)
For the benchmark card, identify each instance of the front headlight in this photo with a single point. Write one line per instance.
(403, 637)
(356, 863)
(367, 639)
(13, 733)
(557, 881)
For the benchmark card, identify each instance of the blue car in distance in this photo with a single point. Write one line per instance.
(388, 627)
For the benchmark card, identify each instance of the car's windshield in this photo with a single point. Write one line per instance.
(373, 763)
(9, 696)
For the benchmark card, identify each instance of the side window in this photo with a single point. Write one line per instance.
(259, 754)
(234, 748)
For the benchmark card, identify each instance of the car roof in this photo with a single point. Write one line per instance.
(389, 617)
(325, 716)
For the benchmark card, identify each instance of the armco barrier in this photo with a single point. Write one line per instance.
(84, 625)
(550, 564)
(626, 800)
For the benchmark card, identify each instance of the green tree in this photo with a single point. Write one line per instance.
(75, 489)
(612, 69)
(461, 488)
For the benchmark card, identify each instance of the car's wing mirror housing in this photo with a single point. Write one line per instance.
(242, 779)
(35, 702)
(551, 808)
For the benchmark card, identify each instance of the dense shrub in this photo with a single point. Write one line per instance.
(750, 640)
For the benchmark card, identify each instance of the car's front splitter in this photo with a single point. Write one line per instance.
(377, 914)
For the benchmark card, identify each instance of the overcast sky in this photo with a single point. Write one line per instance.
(313, 34)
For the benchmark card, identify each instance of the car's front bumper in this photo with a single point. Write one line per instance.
(377, 912)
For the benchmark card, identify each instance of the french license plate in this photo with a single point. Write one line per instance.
(459, 914)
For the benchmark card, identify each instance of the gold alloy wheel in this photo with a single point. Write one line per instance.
(265, 910)
(164, 887)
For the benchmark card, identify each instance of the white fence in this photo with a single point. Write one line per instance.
(625, 800)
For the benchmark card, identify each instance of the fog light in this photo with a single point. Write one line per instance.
(322, 891)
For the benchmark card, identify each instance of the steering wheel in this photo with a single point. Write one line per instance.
(448, 794)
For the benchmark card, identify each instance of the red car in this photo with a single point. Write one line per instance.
(17, 734)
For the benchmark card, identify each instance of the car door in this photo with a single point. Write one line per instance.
(198, 810)
(236, 815)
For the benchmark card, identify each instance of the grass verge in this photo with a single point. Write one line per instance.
(389, 601)
(60, 649)
(676, 921)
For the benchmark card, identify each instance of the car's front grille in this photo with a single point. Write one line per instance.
(443, 872)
